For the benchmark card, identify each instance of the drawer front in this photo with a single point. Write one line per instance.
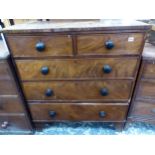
(143, 109)
(40, 46)
(78, 112)
(78, 90)
(11, 105)
(149, 70)
(146, 89)
(110, 44)
(14, 123)
(77, 68)
(5, 71)
(7, 87)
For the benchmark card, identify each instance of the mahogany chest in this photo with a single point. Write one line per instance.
(77, 71)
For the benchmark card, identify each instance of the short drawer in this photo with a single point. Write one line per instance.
(78, 112)
(143, 109)
(7, 87)
(40, 46)
(146, 89)
(14, 124)
(11, 105)
(78, 90)
(77, 68)
(149, 70)
(110, 44)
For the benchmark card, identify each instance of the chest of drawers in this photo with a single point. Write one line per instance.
(77, 71)
(14, 118)
(143, 102)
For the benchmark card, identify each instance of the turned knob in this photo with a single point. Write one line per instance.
(109, 44)
(44, 70)
(107, 69)
(102, 114)
(52, 114)
(49, 92)
(40, 46)
(104, 91)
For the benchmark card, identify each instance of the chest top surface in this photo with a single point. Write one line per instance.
(76, 25)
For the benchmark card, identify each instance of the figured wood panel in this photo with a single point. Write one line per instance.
(78, 90)
(77, 68)
(24, 46)
(78, 112)
(16, 124)
(124, 44)
(10, 105)
(146, 89)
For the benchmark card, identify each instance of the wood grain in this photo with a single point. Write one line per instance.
(24, 46)
(146, 90)
(11, 105)
(149, 70)
(143, 109)
(77, 68)
(78, 90)
(95, 44)
(7, 88)
(78, 112)
(4, 71)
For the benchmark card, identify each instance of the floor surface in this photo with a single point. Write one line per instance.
(79, 128)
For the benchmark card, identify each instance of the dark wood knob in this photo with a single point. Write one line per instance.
(52, 114)
(4, 125)
(104, 91)
(109, 44)
(102, 114)
(107, 69)
(49, 92)
(44, 70)
(40, 46)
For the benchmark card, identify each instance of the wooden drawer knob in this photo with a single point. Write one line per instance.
(4, 125)
(104, 91)
(44, 70)
(109, 44)
(49, 92)
(52, 114)
(40, 46)
(107, 69)
(102, 114)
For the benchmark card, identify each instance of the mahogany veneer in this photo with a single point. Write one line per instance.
(77, 71)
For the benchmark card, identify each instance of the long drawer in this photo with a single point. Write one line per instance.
(40, 45)
(78, 112)
(110, 44)
(77, 68)
(78, 90)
